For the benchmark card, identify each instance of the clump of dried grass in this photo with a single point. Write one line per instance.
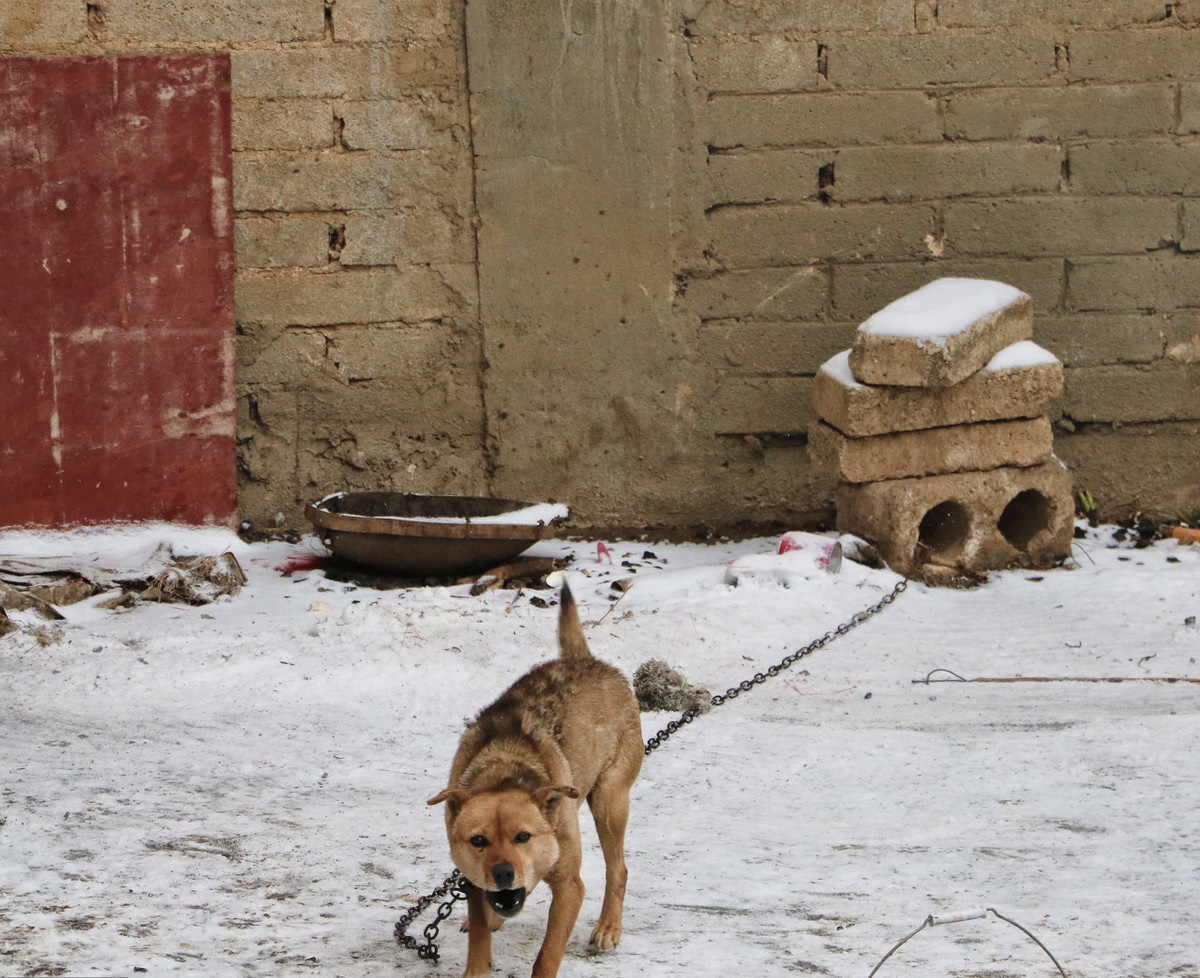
(659, 687)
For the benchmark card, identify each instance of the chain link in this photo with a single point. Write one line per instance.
(456, 884)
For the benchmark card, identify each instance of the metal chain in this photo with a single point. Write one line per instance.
(456, 884)
(761, 677)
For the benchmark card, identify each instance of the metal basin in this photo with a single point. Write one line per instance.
(427, 536)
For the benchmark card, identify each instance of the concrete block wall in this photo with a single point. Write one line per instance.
(357, 307)
(857, 151)
(484, 249)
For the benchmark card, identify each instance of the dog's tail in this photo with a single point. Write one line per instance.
(571, 643)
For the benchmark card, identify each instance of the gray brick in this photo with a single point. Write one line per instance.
(1149, 166)
(1128, 394)
(282, 241)
(332, 181)
(227, 21)
(785, 175)
(761, 293)
(952, 170)
(1060, 112)
(762, 63)
(919, 60)
(271, 358)
(744, 237)
(1154, 282)
(1021, 13)
(1166, 52)
(346, 71)
(931, 451)
(1158, 474)
(860, 410)
(779, 16)
(370, 295)
(369, 20)
(821, 119)
(1189, 109)
(1068, 226)
(46, 22)
(1101, 338)
(1190, 238)
(284, 124)
(861, 290)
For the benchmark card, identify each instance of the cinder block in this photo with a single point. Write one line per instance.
(1060, 112)
(933, 451)
(781, 176)
(1056, 226)
(800, 233)
(761, 63)
(1141, 55)
(947, 170)
(282, 124)
(970, 521)
(1015, 13)
(945, 58)
(997, 392)
(779, 16)
(940, 334)
(820, 119)
(1142, 166)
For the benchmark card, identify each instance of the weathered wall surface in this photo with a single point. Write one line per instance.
(856, 151)
(596, 251)
(358, 346)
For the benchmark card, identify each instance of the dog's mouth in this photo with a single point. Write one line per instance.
(507, 903)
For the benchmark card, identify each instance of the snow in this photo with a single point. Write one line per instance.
(535, 514)
(943, 308)
(1026, 353)
(239, 789)
(838, 367)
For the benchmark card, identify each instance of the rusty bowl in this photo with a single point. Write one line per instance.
(427, 536)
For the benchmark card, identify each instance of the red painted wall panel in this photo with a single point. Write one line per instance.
(116, 325)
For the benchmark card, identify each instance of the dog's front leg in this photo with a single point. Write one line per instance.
(566, 899)
(479, 935)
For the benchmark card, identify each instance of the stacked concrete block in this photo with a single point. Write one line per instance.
(934, 425)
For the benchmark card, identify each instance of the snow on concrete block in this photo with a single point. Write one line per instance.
(932, 451)
(1021, 381)
(970, 521)
(940, 334)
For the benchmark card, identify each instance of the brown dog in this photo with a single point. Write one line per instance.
(566, 730)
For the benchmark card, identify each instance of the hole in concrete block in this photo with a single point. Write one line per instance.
(1026, 515)
(943, 531)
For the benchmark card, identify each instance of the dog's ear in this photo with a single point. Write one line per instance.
(454, 798)
(548, 798)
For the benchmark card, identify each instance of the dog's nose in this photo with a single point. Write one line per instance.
(504, 876)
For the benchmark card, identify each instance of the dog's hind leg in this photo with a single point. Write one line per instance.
(609, 802)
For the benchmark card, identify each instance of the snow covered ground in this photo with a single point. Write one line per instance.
(239, 789)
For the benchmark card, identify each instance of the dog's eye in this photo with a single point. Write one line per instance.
(522, 837)
(479, 841)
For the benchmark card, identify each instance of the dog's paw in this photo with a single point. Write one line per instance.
(606, 935)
